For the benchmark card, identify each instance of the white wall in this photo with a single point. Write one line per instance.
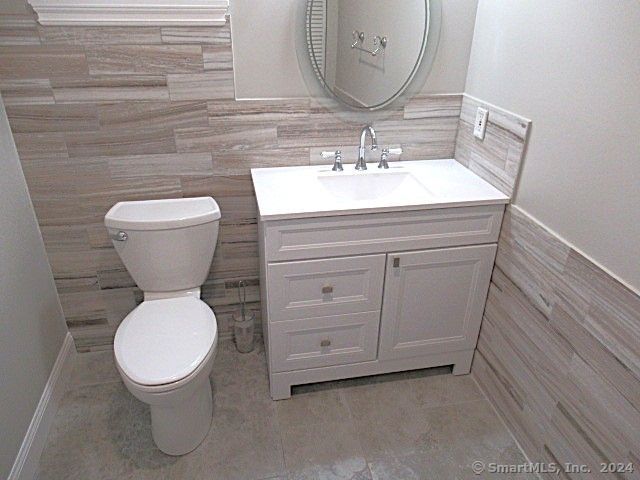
(373, 80)
(32, 326)
(573, 68)
(265, 62)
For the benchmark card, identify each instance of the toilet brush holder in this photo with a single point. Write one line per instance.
(243, 331)
(243, 322)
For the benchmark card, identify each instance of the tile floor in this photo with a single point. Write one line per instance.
(418, 425)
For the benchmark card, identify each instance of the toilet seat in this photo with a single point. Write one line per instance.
(162, 342)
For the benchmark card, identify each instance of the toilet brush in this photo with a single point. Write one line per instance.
(243, 322)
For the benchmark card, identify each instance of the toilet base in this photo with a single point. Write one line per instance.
(179, 428)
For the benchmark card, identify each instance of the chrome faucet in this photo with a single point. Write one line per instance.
(362, 163)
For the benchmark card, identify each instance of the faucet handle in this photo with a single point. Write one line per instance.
(337, 155)
(385, 156)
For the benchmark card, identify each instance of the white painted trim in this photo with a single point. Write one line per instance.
(26, 463)
(131, 12)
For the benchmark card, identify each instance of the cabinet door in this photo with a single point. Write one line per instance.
(434, 300)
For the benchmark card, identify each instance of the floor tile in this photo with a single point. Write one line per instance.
(423, 424)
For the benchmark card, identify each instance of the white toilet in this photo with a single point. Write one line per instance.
(164, 348)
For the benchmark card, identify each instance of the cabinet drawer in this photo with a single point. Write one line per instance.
(381, 232)
(319, 288)
(325, 341)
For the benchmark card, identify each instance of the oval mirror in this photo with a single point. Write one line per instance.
(366, 54)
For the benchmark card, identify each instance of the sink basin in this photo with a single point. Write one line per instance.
(370, 185)
(316, 191)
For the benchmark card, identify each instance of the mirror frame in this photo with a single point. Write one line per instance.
(320, 93)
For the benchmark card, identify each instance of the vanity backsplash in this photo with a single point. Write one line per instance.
(102, 115)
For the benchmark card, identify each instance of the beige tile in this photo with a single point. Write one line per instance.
(325, 444)
(70, 35)
(144, 59)
(20, 91)
(217, 57)
(18, 30)
(110, 88)
(94, 369)
(222, 135)
(52, 118)
(242, 111)
(120, 142)
(235, 162)
(142, 115)
(213, 85)
(433, 106)
(196, 35)
(171, 164)
(41, 61)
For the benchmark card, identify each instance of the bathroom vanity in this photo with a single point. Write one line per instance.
(370, 272)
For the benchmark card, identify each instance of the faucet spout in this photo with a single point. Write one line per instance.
(362, 163)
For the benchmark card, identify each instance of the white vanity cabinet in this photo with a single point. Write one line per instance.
(354, 295)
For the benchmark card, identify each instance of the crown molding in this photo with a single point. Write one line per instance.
(131, 12)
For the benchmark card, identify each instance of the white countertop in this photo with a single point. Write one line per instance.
(316, 191)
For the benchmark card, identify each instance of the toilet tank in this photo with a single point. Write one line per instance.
(166, 245)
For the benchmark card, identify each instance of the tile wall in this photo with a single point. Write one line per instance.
(559, 353)
(104, 114)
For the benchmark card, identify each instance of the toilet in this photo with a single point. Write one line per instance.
(164, 349)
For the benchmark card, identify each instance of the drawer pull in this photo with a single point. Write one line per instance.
(325, 343)
(327, 289)
(396, 262)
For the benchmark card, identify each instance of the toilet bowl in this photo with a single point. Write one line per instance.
(164, 348)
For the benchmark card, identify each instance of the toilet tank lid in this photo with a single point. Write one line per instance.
(162, 214)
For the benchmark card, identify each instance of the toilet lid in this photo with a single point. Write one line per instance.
(163, 341)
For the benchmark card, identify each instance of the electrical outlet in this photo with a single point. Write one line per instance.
(481, 123)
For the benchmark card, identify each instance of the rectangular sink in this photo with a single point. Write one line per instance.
(316, 191)
(371, 184)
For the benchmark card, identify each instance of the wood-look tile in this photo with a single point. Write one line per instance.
(36, 91)
(96, 200)
(439, 130)
(41, 61)
(18, 30)
(433, 106)
(110, 88)
(196, 35)
(14, 7)
(240, 162)
(597, 355)
(497, 158)
(316, 133)
(168, 164)
(217, 57)
(214, 85)
(242, 111)
(218, 186)
(563, 373)
(144, 59)
(222, 135)
(52, 118)
(34, 146)
(72, 35)
(142, 115)
(514, 124)
(120, 142)
(613, 312)
(532, 258)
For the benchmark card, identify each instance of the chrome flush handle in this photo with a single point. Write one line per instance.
(119, 237)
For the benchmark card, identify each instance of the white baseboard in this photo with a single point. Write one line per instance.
(26, 463)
